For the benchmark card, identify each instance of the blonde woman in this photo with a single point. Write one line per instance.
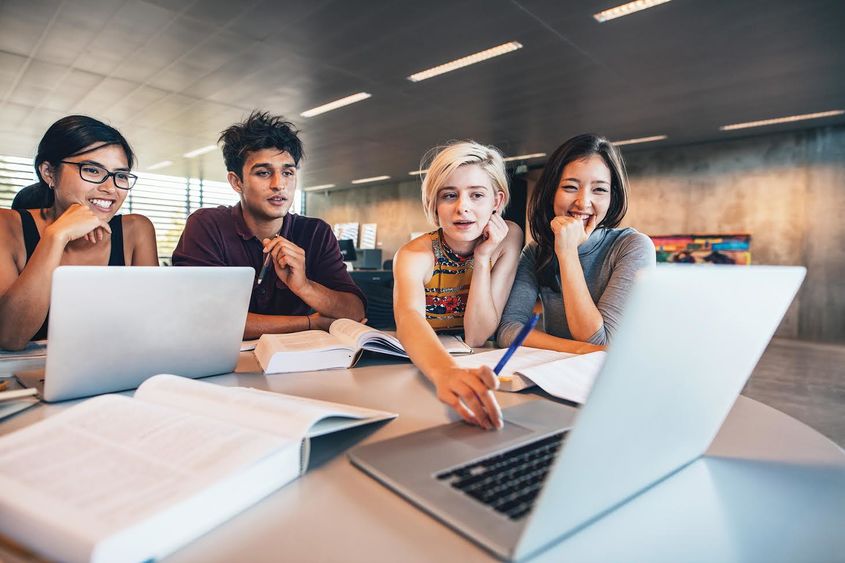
(459, 275)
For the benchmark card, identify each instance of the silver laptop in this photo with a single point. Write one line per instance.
(687, 344)
(113, 327)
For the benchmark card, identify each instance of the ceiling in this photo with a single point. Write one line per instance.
(171, 74)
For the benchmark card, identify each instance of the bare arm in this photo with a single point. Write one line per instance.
(256, 324)
(25, 294)
(491, 285)
(289, 263)
(582, 316)
(539, 339)
(597, 322)
(142, 237)
(331, 303)
(468, 391)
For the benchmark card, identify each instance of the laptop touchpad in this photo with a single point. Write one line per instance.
(484, 439)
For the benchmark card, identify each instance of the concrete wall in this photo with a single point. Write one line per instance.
(396, 208)
(786, 190)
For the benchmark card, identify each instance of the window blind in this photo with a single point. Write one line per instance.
(165, 200)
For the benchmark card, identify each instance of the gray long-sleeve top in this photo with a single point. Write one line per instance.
(610, 258)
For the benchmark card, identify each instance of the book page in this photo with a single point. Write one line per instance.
(524, 357)
(282, 415)
(360, 335)
(304, 341)
(570, 378)
(111, 461)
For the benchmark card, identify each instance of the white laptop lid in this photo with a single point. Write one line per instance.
(689, 339)
(113, 327)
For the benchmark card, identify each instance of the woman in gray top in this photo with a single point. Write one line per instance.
(580, 265)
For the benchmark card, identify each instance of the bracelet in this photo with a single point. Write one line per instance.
(308, 318)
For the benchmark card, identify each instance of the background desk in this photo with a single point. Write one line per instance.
(770, 489)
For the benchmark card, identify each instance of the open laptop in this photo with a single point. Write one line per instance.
(687, 344)
(113, 327)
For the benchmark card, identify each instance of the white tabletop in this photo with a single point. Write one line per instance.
(769, 489)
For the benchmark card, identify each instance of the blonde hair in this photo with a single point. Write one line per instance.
(449, 158)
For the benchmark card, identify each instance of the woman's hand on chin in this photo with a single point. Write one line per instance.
(570, 233)
(491, 238)
(78, 221)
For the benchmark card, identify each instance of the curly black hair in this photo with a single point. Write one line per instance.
(260, 131)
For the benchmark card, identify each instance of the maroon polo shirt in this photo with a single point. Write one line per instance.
(219, 237)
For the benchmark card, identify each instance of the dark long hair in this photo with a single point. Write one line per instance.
(541, 205)
(71, 136)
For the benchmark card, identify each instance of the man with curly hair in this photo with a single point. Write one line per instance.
(308, 285)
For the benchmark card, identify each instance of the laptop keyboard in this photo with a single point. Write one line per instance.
(508, 482)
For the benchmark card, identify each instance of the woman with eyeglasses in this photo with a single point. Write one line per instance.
(83, 167)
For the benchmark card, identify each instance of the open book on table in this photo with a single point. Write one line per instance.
(568, 376)
(341, 347)
(132, 479)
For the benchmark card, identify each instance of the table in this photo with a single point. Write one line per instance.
(769, 489)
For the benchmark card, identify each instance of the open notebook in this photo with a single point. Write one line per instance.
(132, 479)
(568, 376)
(341, 347)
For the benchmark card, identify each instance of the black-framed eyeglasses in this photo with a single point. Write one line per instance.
(97, 174)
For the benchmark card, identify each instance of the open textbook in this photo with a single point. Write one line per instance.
(132, 479)
(568, 376)
(341, 347)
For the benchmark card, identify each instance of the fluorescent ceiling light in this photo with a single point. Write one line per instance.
(320, 187)
(197, 152)
(373, 179)
(787, 119)
(336, 104)
(417, 172)
(524, 156)
(466, 61)
(626, 9)
(640, 140)
(162, 164)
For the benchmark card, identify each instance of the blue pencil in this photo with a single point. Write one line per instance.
(517, 342)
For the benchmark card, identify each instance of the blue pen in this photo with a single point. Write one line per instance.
(517, 342)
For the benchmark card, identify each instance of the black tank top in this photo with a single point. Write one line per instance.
(31, 239)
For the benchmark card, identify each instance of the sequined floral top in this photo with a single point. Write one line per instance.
(447, 292)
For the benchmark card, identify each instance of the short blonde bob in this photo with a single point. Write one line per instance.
(449, 158)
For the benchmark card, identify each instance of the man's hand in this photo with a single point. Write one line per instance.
(320, 322)
(493, 235)
(288, 261)
(570, 233)
(469, 391)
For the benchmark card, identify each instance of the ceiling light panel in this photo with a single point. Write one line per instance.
(525, 156)
(162, 164)
(787, 119)
(360, 96)
(626, 9)
(468, 60)
(639, 140)
(200, 151)
(373, 179)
